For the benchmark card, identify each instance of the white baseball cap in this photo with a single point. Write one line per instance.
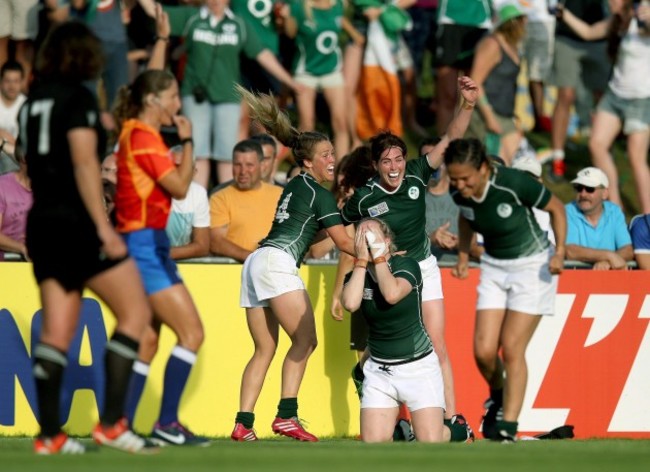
(591, 177)
(528, 164)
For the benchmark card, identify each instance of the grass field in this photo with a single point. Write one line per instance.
(347, 455)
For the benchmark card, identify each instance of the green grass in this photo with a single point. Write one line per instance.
(347, 455)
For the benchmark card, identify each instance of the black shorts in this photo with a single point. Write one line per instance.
(456, 44)
(256, 78)
(65, 247)
(358, 332)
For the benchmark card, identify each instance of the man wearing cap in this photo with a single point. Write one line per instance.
(596, 231)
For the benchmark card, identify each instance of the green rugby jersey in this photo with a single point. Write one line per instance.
(504, 214)
(213, 49)
(259, 15)
(396, 332)
(318, 52)
(304, 208)
(465, 12)
(404, 209)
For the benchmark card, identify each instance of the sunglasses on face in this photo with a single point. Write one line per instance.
(580, 188)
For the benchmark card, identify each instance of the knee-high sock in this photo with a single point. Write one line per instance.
(49, 364)
(136, 387)
(121, 351)
(177, 372)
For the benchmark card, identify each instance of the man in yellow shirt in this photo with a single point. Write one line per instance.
(241, 214)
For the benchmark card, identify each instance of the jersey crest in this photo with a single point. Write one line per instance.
(504, 210)
(414, 193)
(378, 209)
(367, 294)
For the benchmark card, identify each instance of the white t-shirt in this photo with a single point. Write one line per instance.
(632, 68)
(9, 115)
(191, 212)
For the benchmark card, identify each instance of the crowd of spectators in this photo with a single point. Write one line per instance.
(299, 50)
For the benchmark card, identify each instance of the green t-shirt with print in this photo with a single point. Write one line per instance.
(213, 50)
(259, 15)
(317, 42)
(465, 12)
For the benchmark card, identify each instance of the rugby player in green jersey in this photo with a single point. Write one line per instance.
(397, 195)
(517, 283)
(272, 291)
(403, 367)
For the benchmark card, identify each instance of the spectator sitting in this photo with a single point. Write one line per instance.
(268, 167)
(241, 214)
(188, 226)
(640, 232)
(596, 229)
(12, 77)
(15, 202)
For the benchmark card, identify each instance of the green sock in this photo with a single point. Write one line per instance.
(246, 418)
(288, 408)
(509, 427)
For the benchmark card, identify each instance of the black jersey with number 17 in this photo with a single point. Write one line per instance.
(51, 112)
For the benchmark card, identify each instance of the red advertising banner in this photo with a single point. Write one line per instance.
(588, 365)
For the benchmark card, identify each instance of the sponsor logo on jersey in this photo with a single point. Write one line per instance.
(378, 209)
(504, 210)
(282, 214)
(414, 193)
(467, 212)
(367, 294)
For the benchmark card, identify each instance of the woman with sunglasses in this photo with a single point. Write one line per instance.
(517, 268)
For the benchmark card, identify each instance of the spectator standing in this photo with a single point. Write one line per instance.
(640, 233)
(626, 103)
(215, 39)
(105, 20)
(241, 214)
(61, 138)
(12, 79)
(272, 291)
(461, 25)
(597, 233)
(495, 70)
(538, 53)
(19, 23)
(316, 25)
(574, 61)
(516, 284)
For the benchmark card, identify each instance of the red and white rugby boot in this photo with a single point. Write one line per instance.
(291, 428)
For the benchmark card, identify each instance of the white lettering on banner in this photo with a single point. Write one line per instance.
(538, 357)
(633, 409)
(607, 311)
(213, 39)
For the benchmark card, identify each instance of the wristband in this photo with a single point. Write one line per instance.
(360, 263)
(379, 260)
(185, 141)
(468, 106)
(162, 38)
